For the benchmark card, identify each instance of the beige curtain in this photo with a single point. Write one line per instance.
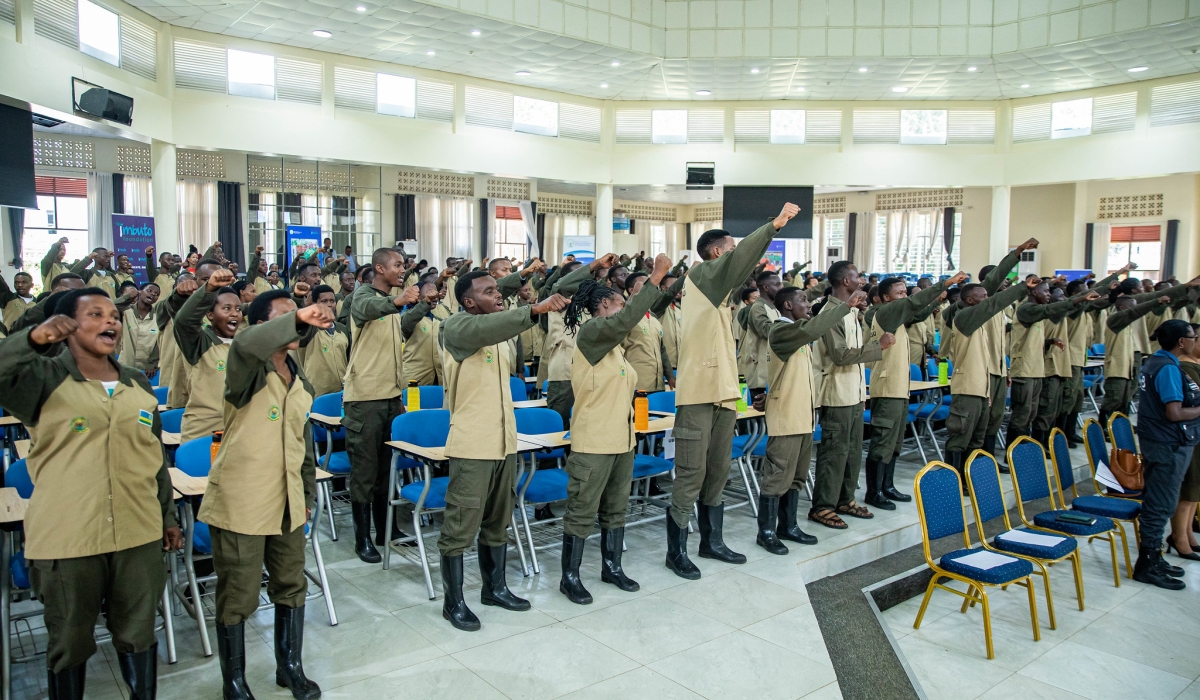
(445, 228)
(560, 225)
(197, 202)
(138, 198)
(676, 239)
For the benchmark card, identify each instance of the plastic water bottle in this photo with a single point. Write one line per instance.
(216, 445)
(414, 396)
(742, 403)
(641, 411)
(943, 373)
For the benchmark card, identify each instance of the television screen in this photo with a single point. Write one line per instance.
(16, 158)
(747, 208)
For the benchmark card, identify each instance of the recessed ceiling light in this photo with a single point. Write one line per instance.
(1139, 69)
(862, 70)
(603, 85)
(614, 64)
(899, 89)
(704, 93)
(429, 53)
(475, 32)
(360, 8)
(801, 89)
(972, 69)
(524, 73)
(321, 33)
(753, 70)
(1025, 86)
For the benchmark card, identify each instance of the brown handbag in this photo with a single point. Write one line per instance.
(1126, 466)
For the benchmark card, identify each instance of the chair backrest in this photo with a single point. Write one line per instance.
(1120, 431)
(867, 373)
(1098, 349)
(535, 421)
(154, 380)
(160, 392)
(424, 428)
(194, 457)
(1027, 463)
(328, 404)
(517, 386)
(939, 504)
(432, 396)
(545, 387)
(17, 477)
(931, 367)
(1094, 443)
(172, 420)
(662, 401)
(1060, 457)
(987, 496)
(914, 373)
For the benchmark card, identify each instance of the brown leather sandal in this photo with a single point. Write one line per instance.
(855, 511)
(828, 518)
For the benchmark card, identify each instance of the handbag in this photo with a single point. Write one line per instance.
(1126, 466)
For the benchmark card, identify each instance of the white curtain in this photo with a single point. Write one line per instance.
(644, 231)
(1101, 238)
(530, 222)
(100, 209)
(445, 226)
(560, 225)
(676, 239)
(864, 241)
(197, 202)
(138, 198)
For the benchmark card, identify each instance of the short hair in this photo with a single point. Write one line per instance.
(64, 276)
(208, 261)
(785, 295)
(382, 255)
(837, 272)
(747, 292)
(612, 271)
(240, 285)
(22, 273)
(320, 289)
(260, 308)
(885, 286)
(968, 288)
(634, 276)
(986, 270)
(764, 275)
(496, 263)
(127, 283)
(427, 279)
(304, 266)
(463, 285)
(99, 248)
(1169, 333)
(151, 283)
(365, 270)
(708, 239)
(1074, 285)
(68, 303)
(570, 267)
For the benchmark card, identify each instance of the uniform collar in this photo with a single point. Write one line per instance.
(68, 360)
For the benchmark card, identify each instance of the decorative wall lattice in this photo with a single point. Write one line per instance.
(649, 212)
(919, 199)
(829, 205)
(199, 164)
(711, 212)
(133, 159)
(446, 184)
(508, 189)
(562, 205)
(263, 176)
(62, 153)
(1130, 206)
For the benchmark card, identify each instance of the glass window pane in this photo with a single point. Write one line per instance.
(99, 32)
(1071, 118)
(43, 216)
(72, 212)
(251, 74)
(1147, 255)
(923, 126)
(535, 116)
(1118, 255)
(787, 126)
(395, 95)
(668, 126)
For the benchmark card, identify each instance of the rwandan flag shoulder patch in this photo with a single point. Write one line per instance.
(146, 418)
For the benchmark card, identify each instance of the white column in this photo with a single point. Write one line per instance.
(604, 219)
(1079, 231)
(162, 193)
(24, 14)
(998, 240)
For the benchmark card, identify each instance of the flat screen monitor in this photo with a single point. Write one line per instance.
(747, 208)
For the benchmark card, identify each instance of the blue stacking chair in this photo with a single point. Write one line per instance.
(516, 385)
(1097, 453)
(537, 486)
(154, 380)
(1091, 380)
(424, 428)
(336, 463)
(172, 420)
(17, 477)
(662, 401)
(1120, 510)
(432, 396)
(1120, 433)
(160, 392)
(939, 506)
(987, 498)
(194, 458)
(538, 421)
(1031, 481)
(1097, 349)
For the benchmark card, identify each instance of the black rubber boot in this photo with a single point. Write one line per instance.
(875, 495)
(1011, 435)
(495, 587)
(768, 516)
(289, 647)
(454, 606)
(787, 528)
(677, 556)
(231, 647)
(1039, 436)
(68, 684)
(1162, 565)
(140, 671)
(363, 547)
(1146, 570)
(889, 486)
(712, 544)
(1102, 418)
(955, 459)
(570, 585)
(612, 542)
(1070, 423)
(379, 508)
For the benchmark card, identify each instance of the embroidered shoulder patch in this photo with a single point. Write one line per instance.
(487, 355)
(79, 425)
(220, 365)
(273, 414)
(146, 418)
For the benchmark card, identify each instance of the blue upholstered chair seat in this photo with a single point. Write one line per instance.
(19, 569)
(1108, 507)
(339, 463)
(548, 485)
(1004, 573)
(1058, 551)
(437, 492)
(1047, 520)
(816, 434)
(739, 446)
(648, 465)
(201, 538)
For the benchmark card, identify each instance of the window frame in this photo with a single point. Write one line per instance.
(676, 136)
(912, 139)
(550, 129)
(1067, 133)
(252, 89)
(98, 13)
(403, 83)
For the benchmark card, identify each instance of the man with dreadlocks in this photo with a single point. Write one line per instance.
(602, 435)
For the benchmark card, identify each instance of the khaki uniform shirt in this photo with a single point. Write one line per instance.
(205, 355)
(792, 396)
(324, 356)
(139, 340)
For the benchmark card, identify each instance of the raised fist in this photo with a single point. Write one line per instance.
(53, 330)
(220, 278)
(300, 289)
(186, 288)
(887, 340)
(555, 302)
(789, 211)
(317, 315)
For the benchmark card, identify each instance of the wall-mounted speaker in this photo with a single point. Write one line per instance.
(96, 101)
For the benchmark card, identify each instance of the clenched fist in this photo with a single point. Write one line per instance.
(555, 302)
(317, 315)
(887, 340)
(53, 330)
(186, 288)
(300, 289)
(220, 278)
(409, 296)
(789, 211)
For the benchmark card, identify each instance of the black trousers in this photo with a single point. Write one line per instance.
(1163, 468)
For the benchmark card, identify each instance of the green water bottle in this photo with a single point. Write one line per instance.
(943, 373)
(742, 404)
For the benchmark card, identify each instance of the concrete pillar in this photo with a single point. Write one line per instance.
(998, 245)
(1079, 231)
(24, 15)
(162, 193)
(604, 219)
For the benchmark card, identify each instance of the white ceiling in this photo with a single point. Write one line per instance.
(664, 57)
(669, 194)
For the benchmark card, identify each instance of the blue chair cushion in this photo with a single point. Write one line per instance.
(645, 466)
(1047, 520)
(739, 446)
(1000, 574)
(1118, 508)
(201, 539)
(548, 485)
(339, 463)
(437, 492)
(816, 433)
(1058, 551)
(19, 569)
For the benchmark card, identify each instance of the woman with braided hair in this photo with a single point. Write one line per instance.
(602, 439)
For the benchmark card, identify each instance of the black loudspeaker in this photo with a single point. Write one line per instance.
(101, 102)
(16, 158)
(701, 176)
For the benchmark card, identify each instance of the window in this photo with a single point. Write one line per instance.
(99, 33)
(787, 126)
(879, 263)
(535, 116)
(668, 126)
(510, 234)
(923, 126)
(251, 74)
(1071, 118)
(919, 247)
(62, 213)
(395, 95)
(1136, 244)
(835, 234)
(658, 239)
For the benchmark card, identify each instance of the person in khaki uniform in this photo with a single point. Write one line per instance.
(1079, 334)
(163, 272)
(371, 397)
(509, 283)
(257, 270)
(96, 270)
(101, 512)
(15, 301)
(643, 346)
(1057, 397)
(205, 349)
(325, 353)
(482, 444)
(671, 318)
(258, 500)
(139, 340)
(707, 392)
(760, 318)
(602, 433)
(173, 370)
(35, 314)
(53, 264)
(791, 405)
(422, 358)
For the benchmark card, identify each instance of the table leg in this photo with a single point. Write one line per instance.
(189, 520)
(168, 622)
(316, 545)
